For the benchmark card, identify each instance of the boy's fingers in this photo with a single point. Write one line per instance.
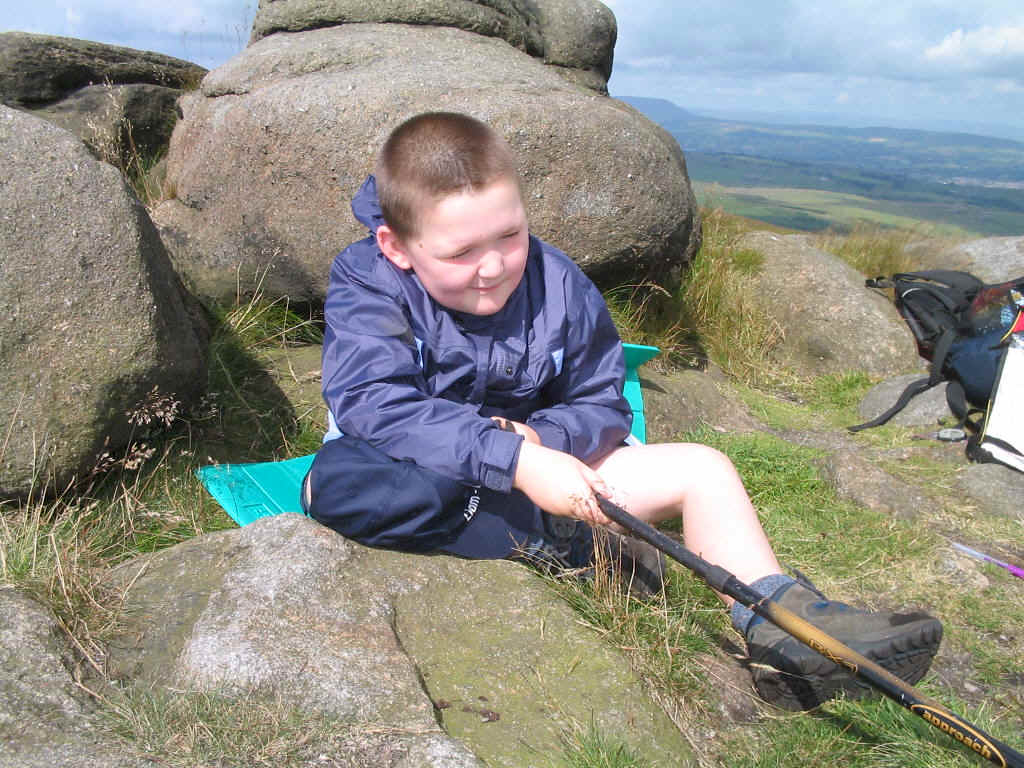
(588, 510)
(503, 424)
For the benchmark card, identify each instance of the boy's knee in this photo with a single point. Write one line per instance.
(705, 459)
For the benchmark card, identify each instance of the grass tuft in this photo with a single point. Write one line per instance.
(592, 748)
(647, 313)
(872, 250)
(194, 728)
(734, 330)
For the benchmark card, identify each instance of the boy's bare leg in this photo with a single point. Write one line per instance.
(699, 485)
(657, 482)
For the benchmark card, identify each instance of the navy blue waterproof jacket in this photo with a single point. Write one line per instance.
(419, 381)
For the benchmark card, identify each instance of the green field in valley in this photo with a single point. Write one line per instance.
(814, 210)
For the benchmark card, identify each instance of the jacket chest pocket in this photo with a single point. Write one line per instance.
(514, 371)
(508, 365)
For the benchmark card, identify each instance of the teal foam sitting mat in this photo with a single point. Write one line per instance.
(637, 355)
(248, 492)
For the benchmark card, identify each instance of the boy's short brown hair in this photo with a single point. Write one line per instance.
(432, 155)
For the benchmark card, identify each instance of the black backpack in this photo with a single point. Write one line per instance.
(959, 323)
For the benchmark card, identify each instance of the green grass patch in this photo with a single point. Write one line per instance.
(840, 392)
(874, 250)
(870, 733)
(593, 748)
(809, 526)
(649, 314)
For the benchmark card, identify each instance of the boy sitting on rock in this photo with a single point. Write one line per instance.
(474, 383)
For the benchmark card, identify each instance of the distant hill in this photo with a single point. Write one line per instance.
(661, 111)
(959, 158)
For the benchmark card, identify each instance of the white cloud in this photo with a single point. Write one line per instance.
(976, 48)
(1008, 87)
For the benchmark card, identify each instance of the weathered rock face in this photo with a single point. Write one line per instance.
(288, 607)
(45, 720)
(92, 316)
(510, 20)
(121, 102)
(38, 69)
(684, 400)
(269, 154)
(992, 259)
(832, 324)
(578, 35)
(995, 488)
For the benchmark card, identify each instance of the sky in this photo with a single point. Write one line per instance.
(928, 64)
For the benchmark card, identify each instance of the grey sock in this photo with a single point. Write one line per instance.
(742, 617)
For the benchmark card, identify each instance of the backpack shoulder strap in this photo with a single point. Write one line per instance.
(913, 389)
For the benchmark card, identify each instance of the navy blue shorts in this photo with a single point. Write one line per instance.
(365, 495)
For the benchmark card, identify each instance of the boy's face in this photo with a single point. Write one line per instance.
(470, 250)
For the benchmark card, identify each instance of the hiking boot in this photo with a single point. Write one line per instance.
(792, 676)
(640, 566)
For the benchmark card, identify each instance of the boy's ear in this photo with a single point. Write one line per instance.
(392, 247)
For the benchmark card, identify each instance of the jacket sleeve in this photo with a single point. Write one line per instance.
(375, 389)
(590, 416)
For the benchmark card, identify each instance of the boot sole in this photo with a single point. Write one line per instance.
(811, 679)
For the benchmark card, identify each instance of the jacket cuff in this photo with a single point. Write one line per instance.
(551, 435)
(501, 456)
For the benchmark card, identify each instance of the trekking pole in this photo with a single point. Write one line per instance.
(903, 694)
(1018, 572)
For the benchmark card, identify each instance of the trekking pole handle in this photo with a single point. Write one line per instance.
(887, 683)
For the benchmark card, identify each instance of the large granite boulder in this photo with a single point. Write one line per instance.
(92, 316)
(40, 69)
(287, 607)
(269, 153)
(577, 35)
(831, 323)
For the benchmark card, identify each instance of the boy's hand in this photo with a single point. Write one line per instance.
(560, 484)
(508, 425)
